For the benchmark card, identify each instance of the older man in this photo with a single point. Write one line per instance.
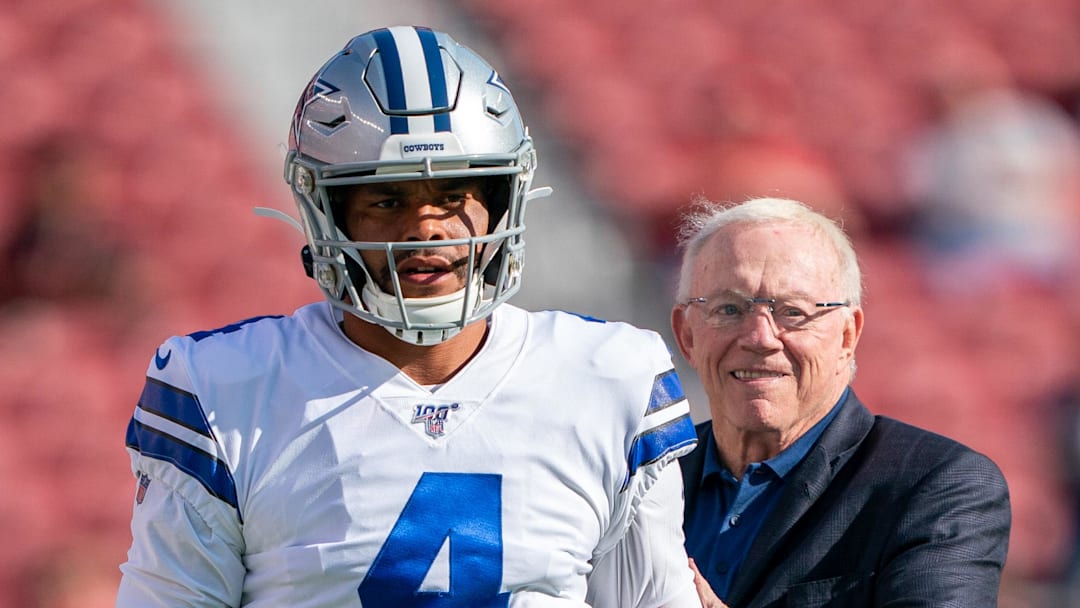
(797, 495)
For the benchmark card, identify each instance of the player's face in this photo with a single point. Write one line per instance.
(762, 379)
(426, 211)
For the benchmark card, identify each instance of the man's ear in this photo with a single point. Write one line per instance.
(853, 331)
(684, 336)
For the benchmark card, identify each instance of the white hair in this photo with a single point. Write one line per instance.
(706, 217)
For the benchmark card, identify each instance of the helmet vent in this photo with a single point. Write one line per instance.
(498, 104)
(332, 124)
(328, 127)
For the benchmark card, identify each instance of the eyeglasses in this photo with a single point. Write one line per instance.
(728, 311)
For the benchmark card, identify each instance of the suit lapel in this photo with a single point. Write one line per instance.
(804, 486)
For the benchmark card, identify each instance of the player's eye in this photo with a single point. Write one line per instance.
(387, 203)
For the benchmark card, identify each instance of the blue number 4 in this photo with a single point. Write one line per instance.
(466, 510)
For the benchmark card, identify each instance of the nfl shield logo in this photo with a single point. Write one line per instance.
(433, 417)
(144, 483)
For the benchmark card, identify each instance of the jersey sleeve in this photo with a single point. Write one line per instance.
(648, 567)
(643, 563)
(186, 533)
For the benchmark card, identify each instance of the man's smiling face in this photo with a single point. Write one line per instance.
(761, 378)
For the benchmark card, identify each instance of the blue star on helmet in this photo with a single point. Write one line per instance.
(322, 88)
(496, 80)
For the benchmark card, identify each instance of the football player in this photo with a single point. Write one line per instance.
(414, 440)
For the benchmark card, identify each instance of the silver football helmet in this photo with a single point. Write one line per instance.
(410, 103)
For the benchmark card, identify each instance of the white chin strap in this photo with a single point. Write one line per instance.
(441, 310)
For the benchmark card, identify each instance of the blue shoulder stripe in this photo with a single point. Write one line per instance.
(228, 329)
(585, 317)
(666, 390)
(207, 469)
(660, 441)
(174, 404)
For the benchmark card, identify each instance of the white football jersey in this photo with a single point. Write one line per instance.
(279, 464)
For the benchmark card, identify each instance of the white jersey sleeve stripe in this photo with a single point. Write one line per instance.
(206, 468)
(182, 408)
(667, 434)
(177, 431)
(174, 404)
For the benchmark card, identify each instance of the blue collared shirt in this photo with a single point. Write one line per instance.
(730, 511)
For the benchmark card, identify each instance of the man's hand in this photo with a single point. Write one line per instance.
(704, 591)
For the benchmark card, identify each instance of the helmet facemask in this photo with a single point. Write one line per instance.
(491, 268)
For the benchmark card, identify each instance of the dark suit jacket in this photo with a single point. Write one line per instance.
(879, 513)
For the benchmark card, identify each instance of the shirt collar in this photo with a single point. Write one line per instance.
(782, 463)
